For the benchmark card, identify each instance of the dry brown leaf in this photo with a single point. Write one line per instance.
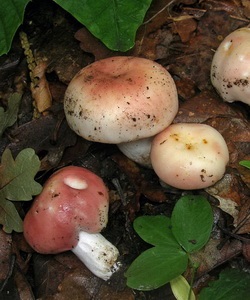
(91, 44)
(211, 257)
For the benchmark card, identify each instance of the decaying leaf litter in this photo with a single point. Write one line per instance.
(182, 36)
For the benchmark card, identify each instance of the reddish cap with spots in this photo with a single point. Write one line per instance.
(73, 199)
(120, 99)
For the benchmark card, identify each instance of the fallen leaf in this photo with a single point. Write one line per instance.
(17, 183)
(9, 117)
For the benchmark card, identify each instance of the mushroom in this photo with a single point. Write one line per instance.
(189, 156)
(121, 99)
(69, 214)
(230, 70)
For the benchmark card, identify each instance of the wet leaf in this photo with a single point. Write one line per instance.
(9, 117)
(192, 221)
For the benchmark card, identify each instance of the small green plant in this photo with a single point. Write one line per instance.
(113, 22)
(173, 239)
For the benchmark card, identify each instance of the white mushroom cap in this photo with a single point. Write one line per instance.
(120, 99)
(189, 156)
(230, 70)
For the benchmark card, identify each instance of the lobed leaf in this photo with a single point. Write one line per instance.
(17, 183)
(17, 176)
(9, 117)
(9, 216)
(192, 221)
(156, 267)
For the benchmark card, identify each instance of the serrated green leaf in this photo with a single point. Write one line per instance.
(113, 22)
(9, 117)
(245, 163)
(232, 284)
(17, 176)
(192, 221)
(155, 267)
(155, 230)
(9, 216)
(11, 16)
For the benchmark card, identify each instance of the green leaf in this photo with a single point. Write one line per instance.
(9, 216)
(232, 284)
(17, 176)
(155, 230)
(17, 183)
(245, 163)
(181, 289)
(9, 117)
(192, 221)
(113, 22)
(11, 16)
(155, 267)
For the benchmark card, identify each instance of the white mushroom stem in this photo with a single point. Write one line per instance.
(138, 151)
(98, 254)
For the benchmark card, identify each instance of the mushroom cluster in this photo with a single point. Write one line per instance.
(131, 102)
(69, 214)
(230, 69)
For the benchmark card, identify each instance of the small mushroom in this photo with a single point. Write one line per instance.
(121, 99)
(68, 215)
(189, 156)
(230, 70)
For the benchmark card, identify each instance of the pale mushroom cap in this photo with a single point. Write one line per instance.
(189, 156)
(230, 70)
(120, 99)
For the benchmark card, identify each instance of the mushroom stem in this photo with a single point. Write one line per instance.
(98, 254)
(138, 151)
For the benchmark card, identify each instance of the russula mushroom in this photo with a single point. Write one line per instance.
(69, 214)
(189, 156)
(121, 99)
(230, 69)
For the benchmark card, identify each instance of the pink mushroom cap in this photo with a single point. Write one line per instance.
(230, 68)
(120, 99)
(73, 199)
(189, 156)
